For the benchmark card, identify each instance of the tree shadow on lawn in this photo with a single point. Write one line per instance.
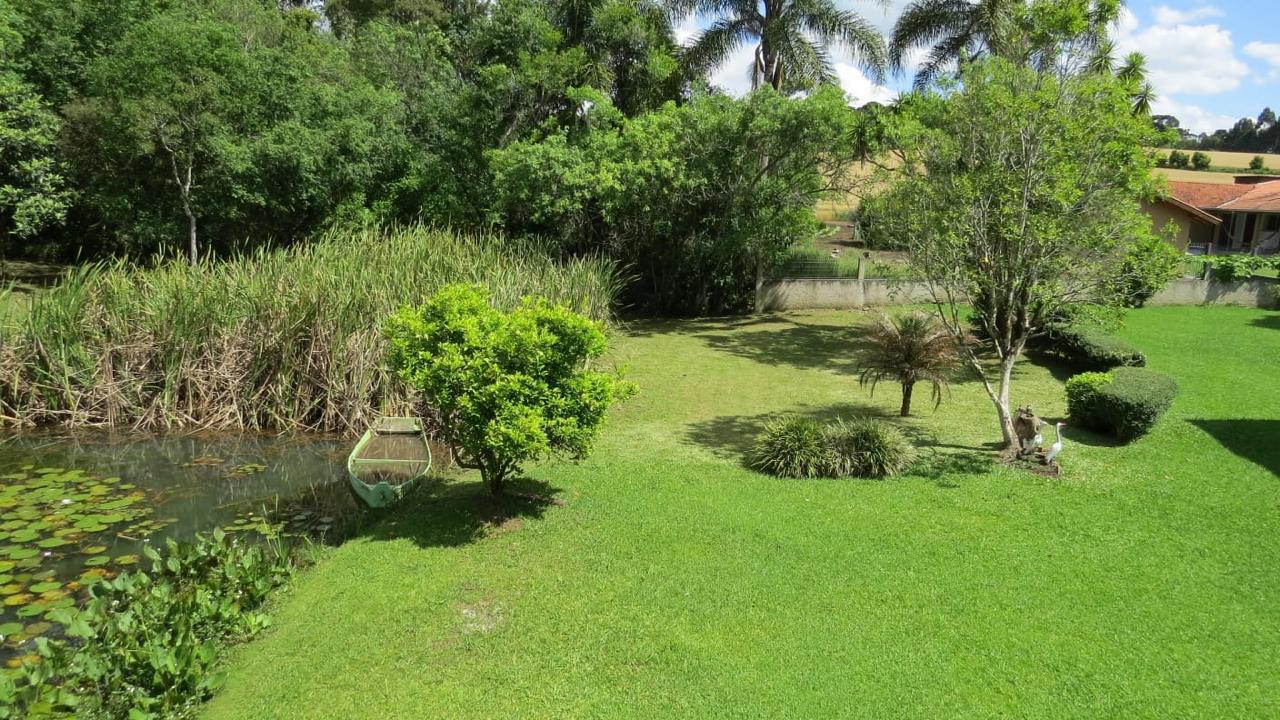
(799, 345)
(451, 514)
(1254, 439)
(647, 327)
(1270, 321)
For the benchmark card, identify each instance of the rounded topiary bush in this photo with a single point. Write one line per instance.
(1125, 402)
(866, 447)
(791, 447)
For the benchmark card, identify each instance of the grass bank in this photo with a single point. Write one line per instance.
(274, 340)
(674, 582)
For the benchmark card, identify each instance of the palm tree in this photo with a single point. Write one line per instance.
(792, 38)
(956, 31)
(910, 348)
(1133, 73)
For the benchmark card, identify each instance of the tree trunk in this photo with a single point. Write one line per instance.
(193, 247)
(1002, 403)
(906, 398)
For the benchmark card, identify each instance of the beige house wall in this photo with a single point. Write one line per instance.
(1163, 213)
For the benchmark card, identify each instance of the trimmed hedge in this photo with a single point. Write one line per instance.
(1090, 348)
(1125, 402)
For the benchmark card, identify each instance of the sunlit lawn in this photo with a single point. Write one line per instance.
(673, 582)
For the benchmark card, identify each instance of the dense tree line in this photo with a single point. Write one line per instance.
(1256, 135)
(202, 128)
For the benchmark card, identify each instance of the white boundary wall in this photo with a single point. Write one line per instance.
(845, 294)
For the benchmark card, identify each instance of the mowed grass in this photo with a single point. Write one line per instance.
(673, 582)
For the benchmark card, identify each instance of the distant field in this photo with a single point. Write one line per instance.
(1241, 160)
(1202, 177)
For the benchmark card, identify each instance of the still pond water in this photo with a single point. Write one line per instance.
(77, 507)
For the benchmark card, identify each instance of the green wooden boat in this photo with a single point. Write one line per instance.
(392, 455)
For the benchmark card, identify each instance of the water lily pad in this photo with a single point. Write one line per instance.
(44, 587)
(22, 553)
(35, 607)
(53, 542)
(6, 565)
(10, 628)
(127, 560)
(11, 589)
(94, 550)
(51, 595)
(38, 628)
(19, 599)
(97, 560)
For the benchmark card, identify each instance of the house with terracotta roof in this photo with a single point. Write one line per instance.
(1247, 215)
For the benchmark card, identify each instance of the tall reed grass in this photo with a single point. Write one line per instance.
(276, 340)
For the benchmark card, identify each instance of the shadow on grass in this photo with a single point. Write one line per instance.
(808, 347)
(440, 514)
(1270, 322)
(640, 326)
(1253, 439)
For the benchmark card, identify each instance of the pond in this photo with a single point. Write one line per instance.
(77, 507)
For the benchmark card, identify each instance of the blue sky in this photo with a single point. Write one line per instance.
(1211, 62)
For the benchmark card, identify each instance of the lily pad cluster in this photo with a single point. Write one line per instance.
(56, 529)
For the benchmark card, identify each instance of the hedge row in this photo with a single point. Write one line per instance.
(1125, 402)
(1090, 348)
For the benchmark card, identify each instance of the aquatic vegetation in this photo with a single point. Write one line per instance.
(52, 520)
(146, 643)
(273, 340)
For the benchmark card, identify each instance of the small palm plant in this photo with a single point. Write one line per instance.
(910, 348)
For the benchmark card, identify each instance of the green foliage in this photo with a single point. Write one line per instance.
(1148, 267)
(1234, 268)
(1178, 159)
(682, 195)
(284, 339)
(1082, 393)
(908, 348)
(1127, 406)
(885, 220)
(866, 447)
(793, 447)
(33, 191)
(1200, 161)
(1086, 346)
(148, 644)
(808, 261)
(509, 387)
(1257, 163)
(799, 447)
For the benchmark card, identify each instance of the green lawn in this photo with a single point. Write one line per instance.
(1144, 583)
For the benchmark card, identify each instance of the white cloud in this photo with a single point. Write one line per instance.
(1191, 117)
(1181, 57)
(1264, 51)
(1166, 15)
(860, 88)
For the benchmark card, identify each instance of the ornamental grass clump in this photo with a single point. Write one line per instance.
(799, 447)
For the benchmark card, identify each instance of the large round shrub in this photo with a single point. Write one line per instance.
(1125, 403)
(866, 447)
(791, 447)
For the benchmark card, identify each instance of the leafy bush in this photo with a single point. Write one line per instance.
(1179, 159)
(1127, 406)
(1232, 268)
(792, 447)
(1089, 347)
(1148, 268)
(1201, 161)
(510, 387)
(866, 447)
(1082, 393)
(147, 644)
(1257, 163)
(803, 448)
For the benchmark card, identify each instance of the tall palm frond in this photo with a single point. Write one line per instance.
(794, 40)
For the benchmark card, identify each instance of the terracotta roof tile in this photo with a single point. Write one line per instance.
(1208, 196)
(1263, 197)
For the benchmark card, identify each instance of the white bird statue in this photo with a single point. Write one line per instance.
(1056, 447)
(1038, 440)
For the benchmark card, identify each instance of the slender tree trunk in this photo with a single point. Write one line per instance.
(193, 248)
(906, 398)
(1002, 403)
